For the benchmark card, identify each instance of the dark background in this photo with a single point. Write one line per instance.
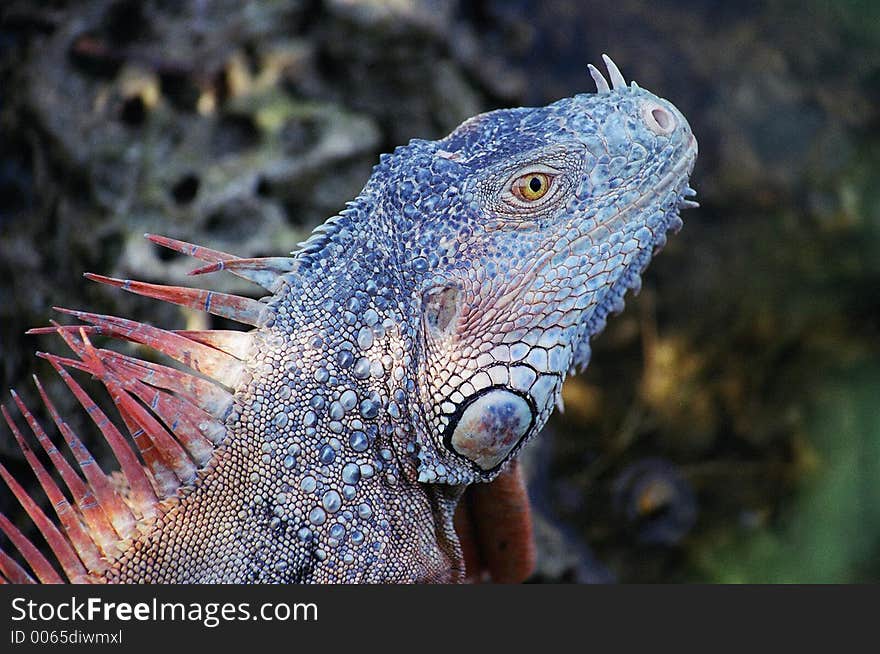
(728, 428)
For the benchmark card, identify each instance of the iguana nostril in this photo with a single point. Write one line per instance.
(658, 120)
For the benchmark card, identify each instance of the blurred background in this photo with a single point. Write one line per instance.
(728, 428)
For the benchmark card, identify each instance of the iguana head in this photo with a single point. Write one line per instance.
(519, 233)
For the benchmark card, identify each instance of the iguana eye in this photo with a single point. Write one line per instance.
(531, 186)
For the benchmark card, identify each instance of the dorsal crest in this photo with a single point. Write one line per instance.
(171, 420)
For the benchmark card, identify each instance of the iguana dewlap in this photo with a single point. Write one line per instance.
(408, 349)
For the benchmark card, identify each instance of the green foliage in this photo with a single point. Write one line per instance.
(830, 531)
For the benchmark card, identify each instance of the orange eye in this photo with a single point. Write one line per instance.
(532, 186)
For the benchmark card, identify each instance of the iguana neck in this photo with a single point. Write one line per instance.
(328, 411)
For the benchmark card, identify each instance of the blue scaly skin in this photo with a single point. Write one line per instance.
(420, 339)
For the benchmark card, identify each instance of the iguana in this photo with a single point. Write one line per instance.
(408, 349)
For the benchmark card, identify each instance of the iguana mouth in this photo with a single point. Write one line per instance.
(677, 177)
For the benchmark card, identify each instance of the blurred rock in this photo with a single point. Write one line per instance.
(655, 501)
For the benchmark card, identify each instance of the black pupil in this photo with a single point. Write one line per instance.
(535, 184)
